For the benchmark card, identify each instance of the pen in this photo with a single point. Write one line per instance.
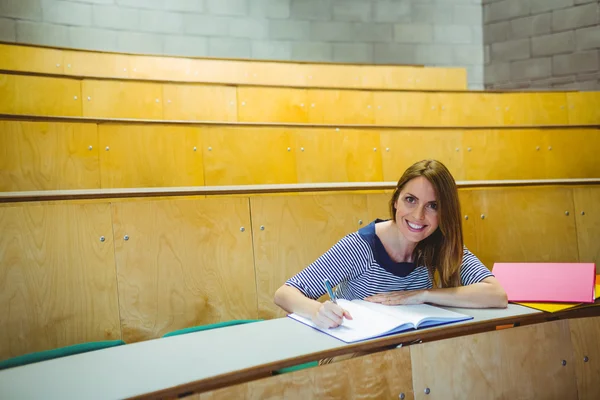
(329, 290)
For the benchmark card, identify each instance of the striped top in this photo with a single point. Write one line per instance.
(360, 266)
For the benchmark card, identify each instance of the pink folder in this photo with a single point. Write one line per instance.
(547, 282)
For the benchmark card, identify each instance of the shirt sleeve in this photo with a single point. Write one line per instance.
(472, 270)
(346, 260)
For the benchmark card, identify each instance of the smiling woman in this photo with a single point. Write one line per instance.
(416, 257)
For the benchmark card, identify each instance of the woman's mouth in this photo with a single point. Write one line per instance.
(415, 227)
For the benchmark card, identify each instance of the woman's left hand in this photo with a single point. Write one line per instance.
(396, 298)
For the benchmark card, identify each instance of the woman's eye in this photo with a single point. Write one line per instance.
(410, 199)
(433, 206)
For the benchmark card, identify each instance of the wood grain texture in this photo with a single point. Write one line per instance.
(571, 154)
(48, 156)
(586, 348)
(200, 102)
(587, 216)
(402, 148)
(31, 59)
(504, 154)
(337, 155)
(243, 156)
(122, 99)
(584, 107)
(383, 375)
(525, 225)
(35, 95)
(272, 105)
(58, 283)
(470, 217)
(92, 64)
(297, 230)
(468, 109)
(523, 363)
(340, 107)
(185, 263)
(150, 156)
(533, 108)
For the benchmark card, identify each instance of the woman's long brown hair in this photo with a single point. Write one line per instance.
(441, 251)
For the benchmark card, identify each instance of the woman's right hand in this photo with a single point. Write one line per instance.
(330, 315)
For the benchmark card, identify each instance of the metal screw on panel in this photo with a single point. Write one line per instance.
(469, 149)
(169, 101)
(369, 106)
(157, 100)
(242, 229)
(195, 148)
(427, 391)
(90, 147)
(549, 147)
(482, 216)
(457, 149)
(74, 97)
(538, 148)
(289, 149)
(57, 65)
(466, 217)
(243, 103)
(301, 148)
(562, 107)
(566, 213)
(564, 362)
(302, 105)
(125, 69)
(210, 149)
(262, 227)
(360, 221)
(89, 98)
(387, 149)
(586, 359)
(401, 396)
(313, 105)
(126, 237)
(102, 239)
(68, 65)
(379, 107)
(583, 213)
(107, 148)
(337, 129)
(374, 148)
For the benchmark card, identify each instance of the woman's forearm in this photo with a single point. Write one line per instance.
(293, 301)
(485, 294)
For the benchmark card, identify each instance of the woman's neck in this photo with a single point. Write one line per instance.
(398, 248)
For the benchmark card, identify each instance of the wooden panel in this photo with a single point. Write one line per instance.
(243, 155)
(402, 148)
(505, 154)
(378, 206)
(407, 108)
(523, 363)
(526, 225)
(185, 263)
(48, 156)
(320, 220)
(338, 76)
(534, 108)
(469, 109)
(111, 99)
(340, 107)
(584, 107)
(36, 95)
(161, 68)
(572, 153)
(272, 73)
(586, 347)
(471, 220)
(150, 156)
(57, 278)
(272, 105)
(587, 216)
(200, 102)
(31, 59)
(384, 375)
(105, 65)
(337, 155)
(442, 78)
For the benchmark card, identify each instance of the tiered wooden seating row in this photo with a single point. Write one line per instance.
(69, 155)
(39, 60)
(73, 272)
(105, 99)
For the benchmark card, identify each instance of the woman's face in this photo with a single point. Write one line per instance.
(416, 210)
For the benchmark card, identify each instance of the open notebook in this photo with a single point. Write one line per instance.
(371, 320)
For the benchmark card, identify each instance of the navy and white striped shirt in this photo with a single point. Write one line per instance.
(359, 266)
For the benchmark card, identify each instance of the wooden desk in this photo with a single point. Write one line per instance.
(211, 359)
